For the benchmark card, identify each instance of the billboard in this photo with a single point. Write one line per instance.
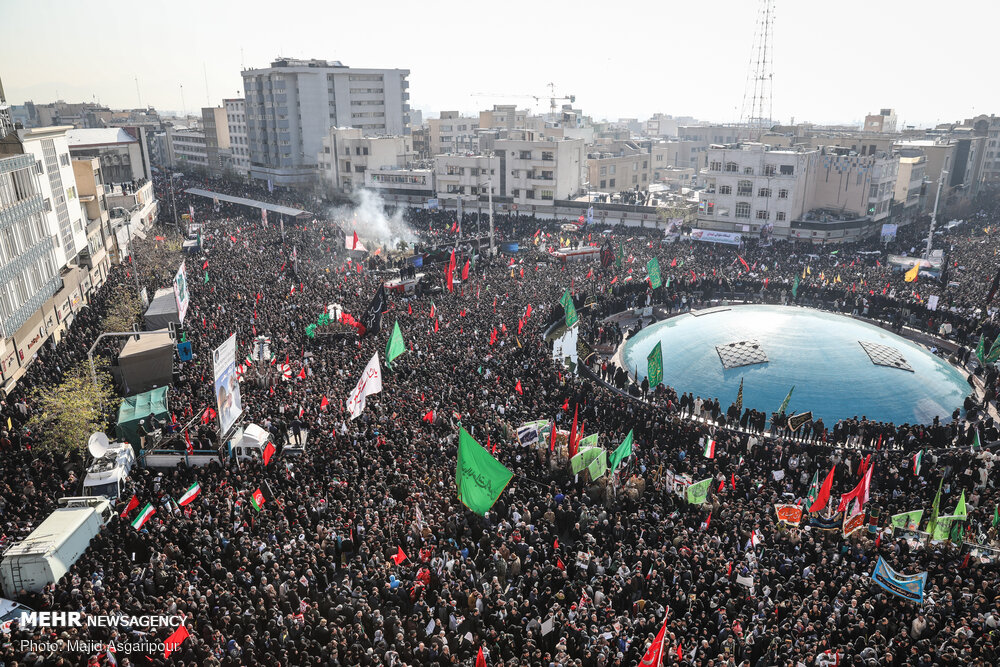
(181, 296)
(227, 386)
(888, 232)
(712, 236)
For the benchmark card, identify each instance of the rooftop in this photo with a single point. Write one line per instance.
(99, 137)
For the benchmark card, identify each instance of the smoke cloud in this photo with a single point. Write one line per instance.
(368, 217)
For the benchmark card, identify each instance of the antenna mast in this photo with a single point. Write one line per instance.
(755, 117)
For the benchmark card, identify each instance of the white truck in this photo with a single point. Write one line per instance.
(247, 443)
(109, 471)
(44, 556)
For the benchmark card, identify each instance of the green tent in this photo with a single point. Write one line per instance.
(141, 406)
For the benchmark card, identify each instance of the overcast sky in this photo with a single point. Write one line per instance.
(833, 61)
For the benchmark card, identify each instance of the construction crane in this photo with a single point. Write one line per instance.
(551, 97)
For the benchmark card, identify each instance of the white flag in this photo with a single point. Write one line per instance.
(370, 383)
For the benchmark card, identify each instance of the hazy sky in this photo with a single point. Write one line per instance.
(833, 61)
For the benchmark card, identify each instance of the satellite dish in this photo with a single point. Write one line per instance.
(98, 444)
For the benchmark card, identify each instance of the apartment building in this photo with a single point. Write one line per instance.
(124, 156)
(625, 166)
(90, 188)
(291, 106)
(536, 171)
(883, 121)
(236, 119)
(910, 190)
(215, 126)
(347, 155)
(186, 148)
(452, 133)
(415, 181)
(458, 175)
(503, 117)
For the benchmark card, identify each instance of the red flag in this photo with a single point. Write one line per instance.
(302, 374)
(132, 504)
(269, 450)
(409, 309)
(555, 544)
(503, 328)
(565, 405)
(175, 639)
(187, 439)
(552, 437)
(522, 271)
(492, 448)
(527, 312)
(654, 654)
(433, 310)
(429, 417)
(744, 263)
(325, 402)
(450, 272)
(673, 262)
(205, 265)
(480, 658)
(590, 274)
(733, 480)
(708, 521)
(614, 280)
(354, 245)
(518, 388)
(560, 564)
(693, 276)
(722, 485)
(400, 556)
(572, 433)
(493, 336)
(680, 653)
(824, 492)
(465, 271)
(436, 325)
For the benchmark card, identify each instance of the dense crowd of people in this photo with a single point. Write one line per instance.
(563, 570)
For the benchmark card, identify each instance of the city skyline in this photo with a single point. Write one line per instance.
(601, 61)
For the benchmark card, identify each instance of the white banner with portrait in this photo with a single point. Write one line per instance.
(227, 385)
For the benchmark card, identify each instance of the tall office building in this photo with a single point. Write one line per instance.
(291, 106)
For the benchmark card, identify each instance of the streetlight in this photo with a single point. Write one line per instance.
(937, 198)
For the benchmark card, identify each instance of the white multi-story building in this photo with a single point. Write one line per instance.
(910, 179)
(186, 148)
(537, 172)
(124, 156)
(453, 133)
(749, 185)
(50, 148)
(236, 116)
(457, 175)
(414, 181)
(291, 106)
(826, 194)
(347, 155)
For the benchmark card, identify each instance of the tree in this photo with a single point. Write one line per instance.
(67, 413)
(124, 309)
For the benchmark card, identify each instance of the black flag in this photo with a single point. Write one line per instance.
(373, 316)
(993, 288)
(607, 255)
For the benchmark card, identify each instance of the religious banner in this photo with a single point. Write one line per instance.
(852, 523)
(479, 478)
(227, 386)
(908, 520)
(654, 366)
(567, 303)
(697, 493)
(795, 421)
(369, 383)
(791, 514)
(653, 270)
(825, 523)
(907, 586)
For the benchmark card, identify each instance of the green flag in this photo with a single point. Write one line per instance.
(599, 466)
(567, 303)
(479, 477)
(942, 527)
(784, 403)
(960, 511)
(653, 271)
(654, 366)
(813, 490)
(583, 459)
(623, 451)
(935, 509)
(976, 444)
(980, 354)
(739, 398)
(996, 515)
(619, 255)
(589, 441)
(697, 493)
(795, 288)
(206, 277)
(396, 346)
(907, 520)
(994, 354)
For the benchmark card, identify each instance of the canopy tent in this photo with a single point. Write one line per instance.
(162, 310)
(253, 203)
(139, 407)
(145, 363)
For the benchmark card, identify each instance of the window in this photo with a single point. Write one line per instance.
(764, 192)
(744, 188)
(64, 159)
(546, 194)
(782, 194)
(547, 156)
(748, 171)
(725, 189)
(779, 216)
(715, 166)
(635, 179)
(787, 170)
(604, 184)
(611, 183)
(732, 167)
(769, 170)
(525, 155)
(613, 168)
(742, 209)
(604, 171)
(763, 215)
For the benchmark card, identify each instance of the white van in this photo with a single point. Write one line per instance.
(109, 472)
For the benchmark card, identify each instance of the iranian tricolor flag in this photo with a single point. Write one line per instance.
(710, 448)
(755, 538)
(143, 516)
(190, 494)
(918, 458)
(257, 500)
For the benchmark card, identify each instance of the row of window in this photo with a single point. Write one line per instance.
(745, 189)
(530, 194)
(407, 179)
(743, 211)
(769, 169)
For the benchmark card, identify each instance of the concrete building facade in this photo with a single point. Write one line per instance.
(186, 148)
(453, 133)
(215, 126)
(347, 155)
(291, 106)
(236, 119)
(534, 171)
